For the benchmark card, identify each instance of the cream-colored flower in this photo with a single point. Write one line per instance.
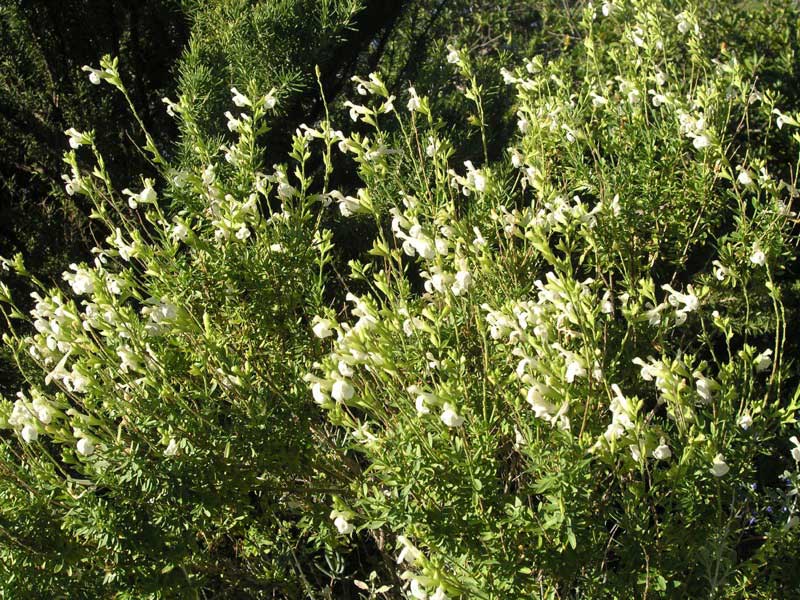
(718, 466)
(450, 417)
(85, 447)
(662, 451)
(342, 390)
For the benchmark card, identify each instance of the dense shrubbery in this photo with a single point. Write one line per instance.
(562, 370)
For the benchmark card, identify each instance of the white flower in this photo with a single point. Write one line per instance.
(234, 124)
(81, 281)
(44, 415)
(783, 119)
(474, 179)
(508, 76)
(147, 196)
(701, 141)
(758, 257)
(350, 205)
(636, 452)
(744, 177)
(745, 421)
(419, 403)
(607, 304)
(637, 37)
(172, 107)
(658, 99)
(439, 594)
(270, 100)
(598, 100)
(342, 390)
(387, 106)
(343, 526)
(705, 387)
(179, 232)
(433, 146)
(320, 396)
(516, 158)
(541, 407)
(409, 553)
(414, 102)
(240, 99)
(172, 448)
(73, 185)
(129, 361)
(345, 369)
(720, 271)
(607, 8)
(417, 591)
(85, 447)
(76, 138)
(683, 22)
(479, 239)
(575, 369)
(29, 434)
(95, 75)
(796, 449)
(480, 181)
(423, 246)
(622, 409)
(450, 417)
(463, 281)
(323, 328)
(683, 303)
(718, 466)
(763, 361)
(662, 451)
(453, 57)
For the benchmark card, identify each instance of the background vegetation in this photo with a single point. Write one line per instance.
(513, 316)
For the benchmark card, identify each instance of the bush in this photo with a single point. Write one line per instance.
(566, 372)
(571, 374)
(172, 438)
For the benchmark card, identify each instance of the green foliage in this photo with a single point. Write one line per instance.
(185, 465)
(43, 92)
(618, 275)
(520, 332)
(257, 47)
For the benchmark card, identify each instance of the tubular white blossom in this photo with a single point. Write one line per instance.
(763, 361)
(342, 390)
(719, 467)
(29, 434)
(450, 417)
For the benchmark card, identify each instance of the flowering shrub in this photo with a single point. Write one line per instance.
(563, 373)
(569, 373)
(169, 446)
